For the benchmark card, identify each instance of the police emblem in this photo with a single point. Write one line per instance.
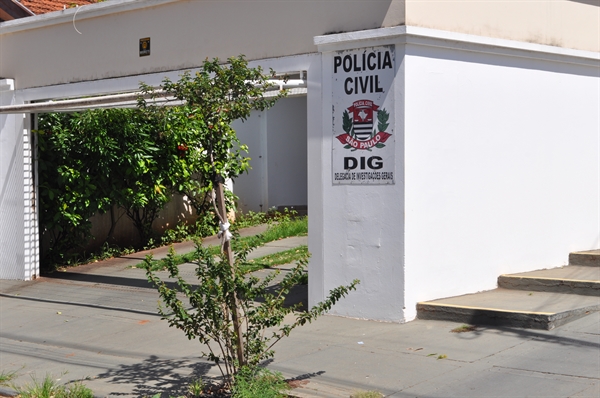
(359, 131)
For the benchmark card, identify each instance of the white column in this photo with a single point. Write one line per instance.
(18, 216)
(357, 185)
(315, 171)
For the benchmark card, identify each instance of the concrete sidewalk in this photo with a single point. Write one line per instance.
(99, 323)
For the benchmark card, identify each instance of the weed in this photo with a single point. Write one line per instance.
(104, 253)
(180, 233)
(221, 293)
(272, 260)
(48, 388)
(6, 376)
(196, 388)
(250, 219)
(366, 394)
(259, 383)
(285, 229)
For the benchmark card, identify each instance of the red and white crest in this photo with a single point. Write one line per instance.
(362, 118)
(360, 131)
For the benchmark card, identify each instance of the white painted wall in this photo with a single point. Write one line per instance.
(252, 187)
(286, 143)
(101, 41)
(498, 144)
(18, 225)
(361, 227)
(561, 23)
(177, 211)
(276, 141)
(502, 167)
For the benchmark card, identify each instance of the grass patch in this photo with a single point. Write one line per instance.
(250, 219)
(283, 229)
(259, 383)
(272, 260)
(366, 394)
(464, 329)
(6, 376)
(49, 388)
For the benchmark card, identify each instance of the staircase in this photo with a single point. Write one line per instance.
(541, 299)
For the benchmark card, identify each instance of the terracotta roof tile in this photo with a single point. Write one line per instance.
(45, 6)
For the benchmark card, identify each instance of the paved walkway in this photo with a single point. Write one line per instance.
(99, 323)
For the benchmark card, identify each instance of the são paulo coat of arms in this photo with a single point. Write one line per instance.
(360, 131)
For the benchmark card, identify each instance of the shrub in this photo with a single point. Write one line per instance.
(221, 291)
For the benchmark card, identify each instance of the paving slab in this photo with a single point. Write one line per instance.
(116, 353)
(589, 258)
(589, 324)
(591, 392)
(557, 356)
(501, 382)
(568, 272)
(385, 371)
(572, 279)
(507, 307)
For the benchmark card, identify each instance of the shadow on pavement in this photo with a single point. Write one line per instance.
(168, 377)
(104, 279)
(530, 334)
(297, 295)
(88, 305)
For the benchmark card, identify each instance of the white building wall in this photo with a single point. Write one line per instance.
(277, 145)
(18, 221)
(286, 161)
(561, 23)
(497, 165)
(252, 187)
(101, 41)
(502, 166)
(361, 228)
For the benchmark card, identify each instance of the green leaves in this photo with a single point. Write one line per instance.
(207, 315)
(136, 159)
(382, 119)
(347, 122)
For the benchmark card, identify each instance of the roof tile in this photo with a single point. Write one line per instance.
(45, 6)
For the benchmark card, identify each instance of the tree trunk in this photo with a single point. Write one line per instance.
(229, 253)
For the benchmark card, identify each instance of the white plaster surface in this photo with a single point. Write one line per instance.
(276, 141)
(361, 233)
(500, 156)
(251, 187)
(13, 264)
(286, 143)
(502, 168)
(101, 41)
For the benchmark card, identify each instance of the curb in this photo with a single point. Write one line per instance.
(7, 392)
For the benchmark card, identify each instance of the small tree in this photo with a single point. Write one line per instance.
(221, 291)
(223, 304)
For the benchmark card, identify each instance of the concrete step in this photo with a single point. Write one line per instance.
(587, 258)
(515, 308)
(572, 279)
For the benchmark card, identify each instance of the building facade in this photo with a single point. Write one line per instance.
(438, 144)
